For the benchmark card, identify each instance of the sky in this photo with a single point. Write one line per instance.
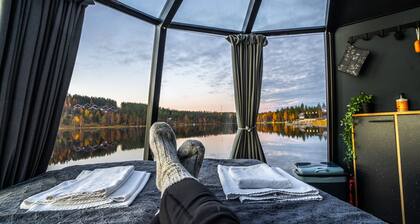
(114, 57)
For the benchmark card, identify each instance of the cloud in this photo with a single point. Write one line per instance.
(282, 14)
(294, 68)
(278, 14)
(215, 13)
(198, 66)
(294, 71)
(120, 41)
(200, 56)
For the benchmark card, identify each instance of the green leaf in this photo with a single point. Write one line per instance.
(346, 122)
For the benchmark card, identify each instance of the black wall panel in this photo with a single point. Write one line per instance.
(345, 12)
(392, 67)
(377, 167)
(408, 126)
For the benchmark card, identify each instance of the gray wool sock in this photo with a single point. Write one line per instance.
(169, 170)
(191, 155)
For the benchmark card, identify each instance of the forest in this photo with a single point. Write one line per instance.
(289, 114)
(85, 111)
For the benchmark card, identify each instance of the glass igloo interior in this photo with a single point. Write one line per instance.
(129, 47)
(131, 111)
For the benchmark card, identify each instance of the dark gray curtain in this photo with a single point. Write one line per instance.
(39, 41)
(247, 64)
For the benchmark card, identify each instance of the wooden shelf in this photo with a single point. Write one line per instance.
(387, 113)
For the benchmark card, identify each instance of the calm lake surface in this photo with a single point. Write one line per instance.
(283, 144)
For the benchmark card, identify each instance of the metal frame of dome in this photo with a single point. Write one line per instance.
(165, 21)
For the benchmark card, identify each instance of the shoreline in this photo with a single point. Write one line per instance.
(132, 126)
(100, 127)
(321, 123)
(66, 128)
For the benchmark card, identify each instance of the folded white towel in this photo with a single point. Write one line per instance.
(127, 188)
(280, 198)
(119, 204)
(133, 183)
(123, 197)
(93, 185)
(258, 176)
(298, 191)
(90, 194)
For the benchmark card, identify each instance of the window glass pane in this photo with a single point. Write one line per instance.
(197, 91)
(104, 113)
(292, 120)
(151, 7)
(286, 14)
(216, 13)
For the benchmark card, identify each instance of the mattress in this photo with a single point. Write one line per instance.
(329, 210)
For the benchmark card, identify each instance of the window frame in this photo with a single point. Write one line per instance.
(165, 21)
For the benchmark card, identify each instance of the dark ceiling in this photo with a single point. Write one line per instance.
(346, 12)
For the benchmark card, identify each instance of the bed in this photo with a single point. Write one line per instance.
(329, 210)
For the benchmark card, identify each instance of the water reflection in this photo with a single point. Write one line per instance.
(283, 144)
(73, 145)
(294, 131)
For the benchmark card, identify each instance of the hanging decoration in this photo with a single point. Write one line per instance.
(353, 60)
(417, 42)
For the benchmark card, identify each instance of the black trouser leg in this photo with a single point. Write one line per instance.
(191, 202)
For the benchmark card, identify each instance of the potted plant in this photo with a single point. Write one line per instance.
(366, 101)
(355, 106)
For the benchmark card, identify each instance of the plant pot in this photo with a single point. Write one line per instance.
(367, 108)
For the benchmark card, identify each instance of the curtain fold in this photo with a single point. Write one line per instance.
(247, 64)
(39, 43)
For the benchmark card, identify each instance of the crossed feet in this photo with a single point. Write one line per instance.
(174, 165)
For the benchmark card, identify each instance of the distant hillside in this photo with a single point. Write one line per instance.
(293, 113)
(82, 100)
(85, 111)
(198, 117)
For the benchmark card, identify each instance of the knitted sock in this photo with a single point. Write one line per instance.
(168, 167)
(191, 155)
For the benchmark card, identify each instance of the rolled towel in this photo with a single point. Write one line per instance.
(258, 176)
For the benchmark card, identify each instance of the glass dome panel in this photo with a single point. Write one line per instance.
(215, 13)
(197, 97)
(288, 14)
(151, 7)
(110, 80)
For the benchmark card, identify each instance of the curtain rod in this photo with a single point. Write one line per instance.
(384, 32)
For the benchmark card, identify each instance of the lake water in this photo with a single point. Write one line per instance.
(283, 145)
